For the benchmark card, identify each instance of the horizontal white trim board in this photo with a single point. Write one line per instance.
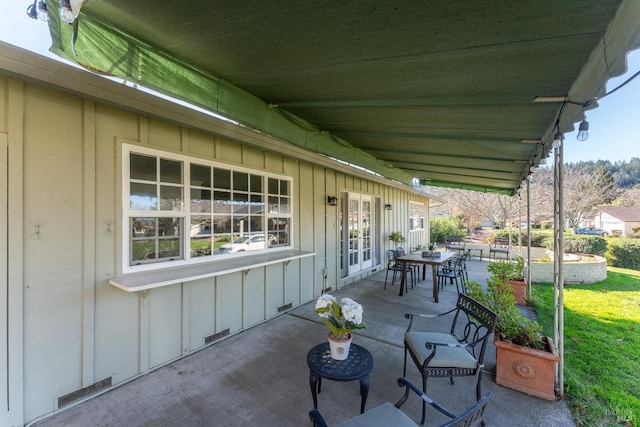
(171, 276)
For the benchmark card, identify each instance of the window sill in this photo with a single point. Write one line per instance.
(171, 276)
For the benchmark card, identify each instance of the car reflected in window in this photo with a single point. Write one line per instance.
(244, 243)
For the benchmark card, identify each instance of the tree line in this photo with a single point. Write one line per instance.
(625, 174)
(585, 186)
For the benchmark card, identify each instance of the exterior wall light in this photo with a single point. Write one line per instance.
(332, 200)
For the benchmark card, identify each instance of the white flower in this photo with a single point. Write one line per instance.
(351, 310)
(324, 301)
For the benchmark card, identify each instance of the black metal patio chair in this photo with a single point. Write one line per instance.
(389, 415)
(396, 268)
(459, 352)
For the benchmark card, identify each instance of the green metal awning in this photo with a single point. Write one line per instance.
(438, 91)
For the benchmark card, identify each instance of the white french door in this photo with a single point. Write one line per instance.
(359, 226)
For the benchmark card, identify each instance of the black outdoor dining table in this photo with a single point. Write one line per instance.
(417, 258)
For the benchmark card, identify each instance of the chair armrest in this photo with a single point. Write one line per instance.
(411, 316)
(403, 382)
(317, 419)
(446, 344)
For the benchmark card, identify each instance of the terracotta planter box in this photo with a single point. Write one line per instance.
(519, 291)
(527, 370)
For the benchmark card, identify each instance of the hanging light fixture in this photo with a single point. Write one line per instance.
(557, 140)
(583, 130)
(38, 10)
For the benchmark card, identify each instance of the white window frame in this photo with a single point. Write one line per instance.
(277, 210)
(416, 216)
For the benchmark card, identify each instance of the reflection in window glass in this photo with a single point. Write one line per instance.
(181, 210)
(278, 232)
(143, 196)
(170, 198)
(416, 216)
(200, 200)
(284, 187)
(273, 186)
(222, 178)
(200, 175)
(155, 239)
(142, 167)
(240, 181)
(170, 171)
(256, 184)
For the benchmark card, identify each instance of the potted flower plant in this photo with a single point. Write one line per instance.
(513, 271)
(525, 358)
(397, 238)
(341, 319)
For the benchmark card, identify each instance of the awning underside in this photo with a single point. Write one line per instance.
(440, 91)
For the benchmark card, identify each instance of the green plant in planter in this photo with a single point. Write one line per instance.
(511, 326)
(397, 238)
(507, 270)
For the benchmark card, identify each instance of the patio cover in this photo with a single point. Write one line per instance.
(439, 92)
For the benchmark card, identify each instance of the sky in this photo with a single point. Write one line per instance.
(613, 126)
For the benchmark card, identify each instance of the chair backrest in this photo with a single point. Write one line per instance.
(501, 242)
(400, 251)
(391, 258)
(472, 417)
(473, 322)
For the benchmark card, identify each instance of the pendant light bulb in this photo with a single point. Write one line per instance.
(557, 140)
(583, 131)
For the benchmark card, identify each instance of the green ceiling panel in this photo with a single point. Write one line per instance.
(404, 89)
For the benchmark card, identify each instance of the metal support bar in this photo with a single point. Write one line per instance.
(558, 252)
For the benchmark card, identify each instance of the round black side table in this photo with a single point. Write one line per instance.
(357, 366)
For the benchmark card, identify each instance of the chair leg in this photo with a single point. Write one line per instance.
(404, 368)
(385, 279)
(478, 386)
(424, 403)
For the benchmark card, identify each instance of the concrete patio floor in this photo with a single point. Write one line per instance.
(260, 376)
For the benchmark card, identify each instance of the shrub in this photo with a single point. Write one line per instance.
(581, 244)
(511, 326)
(538, 238)
(594, 245)
(446, 226)
(505, 234)
(624, 254)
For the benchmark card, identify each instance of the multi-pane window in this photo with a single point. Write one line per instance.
(416, 216)
(186, 209)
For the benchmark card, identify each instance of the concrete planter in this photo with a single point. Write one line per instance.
(575, 272)
(526, 369)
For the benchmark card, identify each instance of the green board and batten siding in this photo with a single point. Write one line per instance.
(64, 233)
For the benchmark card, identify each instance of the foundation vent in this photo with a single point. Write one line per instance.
(84, 392)
(285, 307)
(329, 289)
(216, 337)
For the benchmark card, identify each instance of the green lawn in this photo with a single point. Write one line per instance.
(602, 346)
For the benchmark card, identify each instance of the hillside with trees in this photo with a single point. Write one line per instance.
(586, 185)
(625, 174)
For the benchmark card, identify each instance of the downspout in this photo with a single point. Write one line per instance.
(529, 237)
(325, 203)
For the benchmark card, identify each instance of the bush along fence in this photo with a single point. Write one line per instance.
(624, 254)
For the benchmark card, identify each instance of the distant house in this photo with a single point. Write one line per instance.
(619, 220)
